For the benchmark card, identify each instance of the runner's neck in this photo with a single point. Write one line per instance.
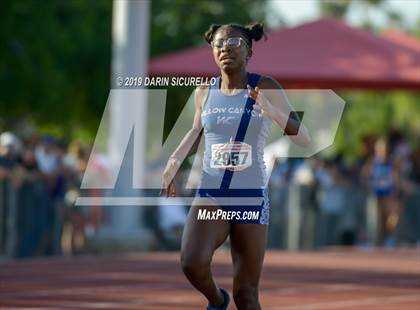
(233, 83)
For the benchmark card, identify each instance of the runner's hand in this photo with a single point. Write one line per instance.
(168, 187)
(262, 104)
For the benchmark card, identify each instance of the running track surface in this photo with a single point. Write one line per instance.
(333, 279)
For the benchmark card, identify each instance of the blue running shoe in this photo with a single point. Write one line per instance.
(225, 303)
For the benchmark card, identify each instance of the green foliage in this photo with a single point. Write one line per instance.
(373, 112)
(332, 8)
(54, 67)
(182, 23)
(55, 64)
(370, 112)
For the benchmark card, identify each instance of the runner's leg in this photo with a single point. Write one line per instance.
(199, 241)
(248, 242)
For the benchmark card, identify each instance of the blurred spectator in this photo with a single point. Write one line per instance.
(414, 174)
(383, 175)
(408, 229)
(31, 205)
(37, 180)
(400, 151)
(302, 196)
(331, 203)
(10, 146)
(48, 156)
(278, 186)
(315, 202)
(78, 221)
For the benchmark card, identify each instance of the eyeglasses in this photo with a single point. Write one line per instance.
(230, 42)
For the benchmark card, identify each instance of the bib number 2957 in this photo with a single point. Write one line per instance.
(231, 156)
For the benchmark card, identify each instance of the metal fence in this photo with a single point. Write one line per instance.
(31, 220)
(299, 222)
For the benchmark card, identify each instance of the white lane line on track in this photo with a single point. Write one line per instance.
(350, 303)
(181, 300)
(318, 289)
(30, 292)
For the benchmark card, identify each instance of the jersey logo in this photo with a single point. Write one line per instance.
(225, 120)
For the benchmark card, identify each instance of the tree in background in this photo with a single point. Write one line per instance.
(182, 23)
(337, 9)
(341, 8)
(55, 63)
(376, 113)
(56, 55)
(373, 112)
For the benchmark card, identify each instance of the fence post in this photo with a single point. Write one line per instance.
(11, 220)
(293, 217)
(2, 217)
(371, 219)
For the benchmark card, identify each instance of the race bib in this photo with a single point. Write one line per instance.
(233, 155)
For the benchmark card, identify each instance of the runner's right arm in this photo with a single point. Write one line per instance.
(187, 146)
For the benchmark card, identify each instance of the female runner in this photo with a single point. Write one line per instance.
(236, 117)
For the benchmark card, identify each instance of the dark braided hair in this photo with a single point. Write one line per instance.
(251, 32)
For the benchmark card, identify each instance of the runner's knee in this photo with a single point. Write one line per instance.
(195, 265)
